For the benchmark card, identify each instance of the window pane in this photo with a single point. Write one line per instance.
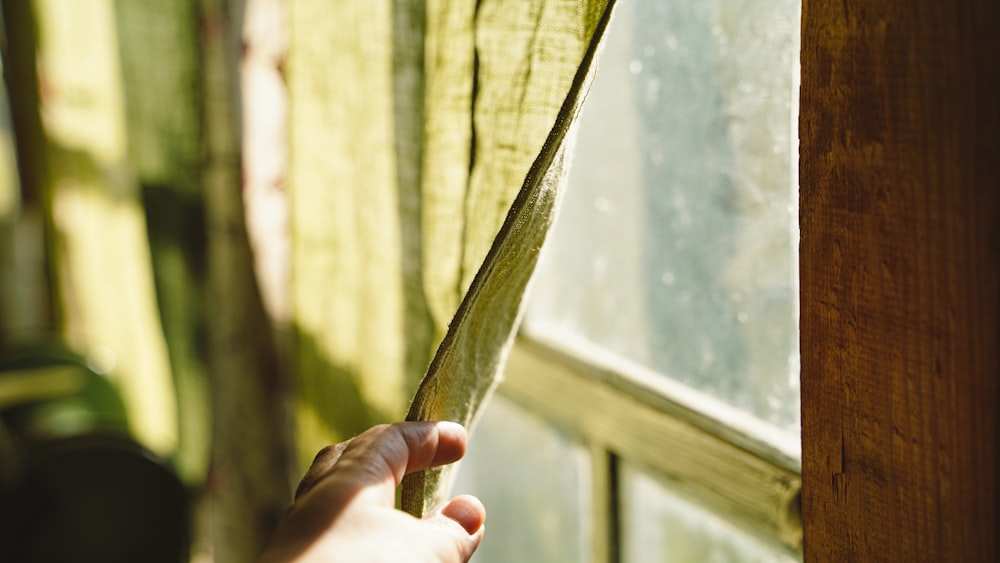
(676, 246)
(535, 483)
(659, 526)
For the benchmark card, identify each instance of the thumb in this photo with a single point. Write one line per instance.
(463, 518)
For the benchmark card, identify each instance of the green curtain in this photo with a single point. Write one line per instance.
(428, 142)
(96, 235)
(128, 138)
(426, 146)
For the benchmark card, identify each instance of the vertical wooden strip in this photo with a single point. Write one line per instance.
(603, 505)
(900, 278)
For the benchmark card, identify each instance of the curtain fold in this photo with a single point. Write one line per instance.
(138, 170)
(158, 48)
(469, 362)
(101, 270)
(428, 143)
(346, 259)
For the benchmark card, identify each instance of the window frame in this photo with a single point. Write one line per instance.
(899, 270)
(721, 457)
(600, 400)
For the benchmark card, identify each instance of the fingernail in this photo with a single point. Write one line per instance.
(449, 426)
(467, 511)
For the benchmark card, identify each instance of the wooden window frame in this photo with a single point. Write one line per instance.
(621, 411)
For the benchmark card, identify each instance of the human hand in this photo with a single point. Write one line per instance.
(344, 506)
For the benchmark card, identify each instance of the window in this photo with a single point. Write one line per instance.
(650, 408)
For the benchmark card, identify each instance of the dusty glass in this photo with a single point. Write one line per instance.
(661, 526)
(677, 242)
(535, 483)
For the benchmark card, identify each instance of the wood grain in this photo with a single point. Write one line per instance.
(900, 276)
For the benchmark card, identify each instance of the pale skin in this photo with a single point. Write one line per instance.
(344, 508)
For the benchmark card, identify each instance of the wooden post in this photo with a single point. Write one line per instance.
(900, 272)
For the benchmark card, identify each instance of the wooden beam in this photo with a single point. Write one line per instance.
(900, 276)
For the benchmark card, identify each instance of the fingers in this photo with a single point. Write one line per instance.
(463, 519)
(321, 465)
(344, 504)
(388, 452)
(382, 455)
(466, 511)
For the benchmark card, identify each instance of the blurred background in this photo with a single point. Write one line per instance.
(143, 391)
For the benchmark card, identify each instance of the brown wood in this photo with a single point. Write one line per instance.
(900, 272)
